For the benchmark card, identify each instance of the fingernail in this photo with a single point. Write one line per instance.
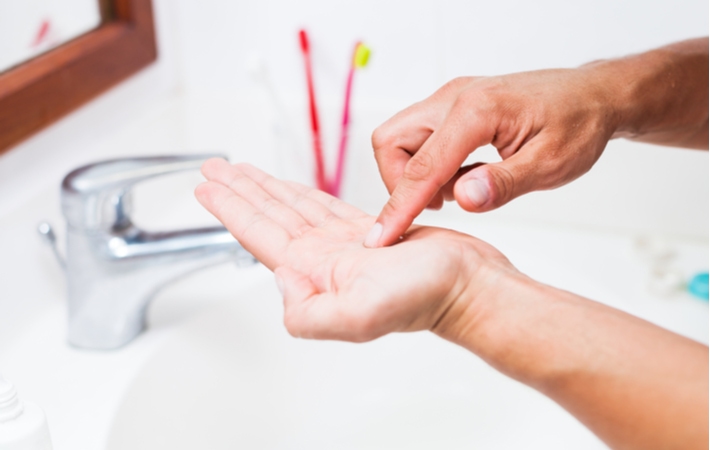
(477, 191)
(373, 236)
(279, 284)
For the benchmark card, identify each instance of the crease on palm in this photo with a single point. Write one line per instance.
(286, 224)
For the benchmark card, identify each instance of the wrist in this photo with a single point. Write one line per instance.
(510, 322)
(654, 96)
(629, 85)
(616, 85)
(489, 313)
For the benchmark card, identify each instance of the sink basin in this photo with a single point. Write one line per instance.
(232, 377)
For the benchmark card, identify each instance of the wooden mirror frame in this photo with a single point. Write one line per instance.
(41, 90)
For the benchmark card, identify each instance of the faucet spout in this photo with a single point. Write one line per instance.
(113, 278)
(136, 243)
(113, 268)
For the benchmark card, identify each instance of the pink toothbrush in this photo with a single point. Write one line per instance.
(361, 54)
(321, 181)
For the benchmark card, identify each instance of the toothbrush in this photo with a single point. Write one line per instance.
(361, 54)
(321, 182)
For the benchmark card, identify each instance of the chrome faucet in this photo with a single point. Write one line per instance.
(113, 269)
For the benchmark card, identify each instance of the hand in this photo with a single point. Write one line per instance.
(334, 287)
(549, 127)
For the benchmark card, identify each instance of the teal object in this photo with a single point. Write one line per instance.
(698, 285)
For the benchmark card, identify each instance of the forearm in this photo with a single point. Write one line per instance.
(660, 96)
(632, 383)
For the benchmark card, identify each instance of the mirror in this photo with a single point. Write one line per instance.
(31, 27)
(56, 55)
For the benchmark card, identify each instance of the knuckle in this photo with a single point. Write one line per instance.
(476, 100)
(393, 205)
(382, 138)
(420, 167)
(400, 206)
(504, 185)
(455, 84)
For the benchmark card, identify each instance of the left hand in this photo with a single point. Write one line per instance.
(334, 287)
(549, 127)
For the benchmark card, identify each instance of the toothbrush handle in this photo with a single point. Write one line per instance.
(321, 182)
(338, 181)
(315, 129)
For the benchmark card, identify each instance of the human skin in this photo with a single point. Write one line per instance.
(635, 385)
(549, 127)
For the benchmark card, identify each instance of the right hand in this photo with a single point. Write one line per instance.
(549, 127)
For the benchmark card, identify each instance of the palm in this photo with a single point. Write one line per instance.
(292, 228)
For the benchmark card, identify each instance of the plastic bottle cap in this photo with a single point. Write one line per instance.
(10, 405)
(698, 285)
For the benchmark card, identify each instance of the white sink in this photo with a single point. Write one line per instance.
(216, 368)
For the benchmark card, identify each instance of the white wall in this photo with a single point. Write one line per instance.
(417, 46)
(206, 99)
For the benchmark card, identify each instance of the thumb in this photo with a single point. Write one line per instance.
(297, 290)
(295, 287)
(490, 186)
(313, 314)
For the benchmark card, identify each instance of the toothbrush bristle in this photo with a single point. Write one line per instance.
(303, 39)
(362, 55)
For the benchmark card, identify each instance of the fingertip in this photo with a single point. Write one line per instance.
(473, 192)
(212, 165)
(381, 235)
(203, 193)
(246, 167)
(396, 217)
(372, 239)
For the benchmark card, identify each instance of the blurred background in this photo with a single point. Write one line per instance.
(229, 77)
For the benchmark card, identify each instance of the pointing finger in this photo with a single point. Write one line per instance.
(429, 170)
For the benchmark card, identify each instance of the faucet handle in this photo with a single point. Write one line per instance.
(94, 196)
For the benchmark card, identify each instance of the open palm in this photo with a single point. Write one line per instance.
(334, 287)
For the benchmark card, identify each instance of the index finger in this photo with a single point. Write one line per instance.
(258, 234)
(436, 162)
(395, 141)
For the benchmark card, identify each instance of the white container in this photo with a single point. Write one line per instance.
(23, 425)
